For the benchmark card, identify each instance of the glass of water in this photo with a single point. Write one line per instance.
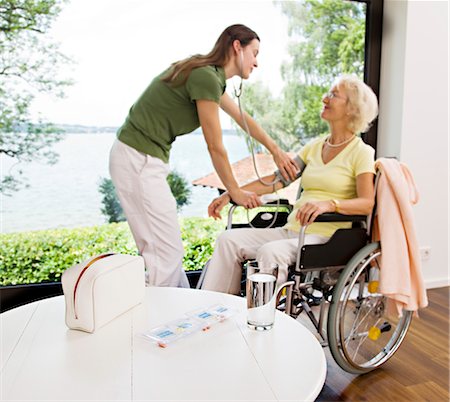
(261, 295)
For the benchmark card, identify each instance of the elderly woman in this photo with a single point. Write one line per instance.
(338, 177)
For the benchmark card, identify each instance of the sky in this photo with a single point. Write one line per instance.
(118, 46)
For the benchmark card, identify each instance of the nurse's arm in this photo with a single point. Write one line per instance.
(208, 114)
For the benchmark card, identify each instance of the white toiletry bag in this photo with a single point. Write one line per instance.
(101, 288)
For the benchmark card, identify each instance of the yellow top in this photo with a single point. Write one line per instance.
(333, 180)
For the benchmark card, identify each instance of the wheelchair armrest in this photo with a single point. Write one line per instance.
(276, 215)
(333, 217)
(281, 201)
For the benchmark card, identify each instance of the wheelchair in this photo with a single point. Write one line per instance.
(336, 285)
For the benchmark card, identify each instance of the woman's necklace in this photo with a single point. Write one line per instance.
(327, 141)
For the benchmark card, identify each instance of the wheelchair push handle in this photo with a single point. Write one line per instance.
(288, 286)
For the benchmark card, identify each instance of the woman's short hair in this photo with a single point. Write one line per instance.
(362, 102)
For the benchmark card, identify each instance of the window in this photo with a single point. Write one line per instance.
(58, 196)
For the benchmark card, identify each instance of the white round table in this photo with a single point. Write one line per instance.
(43, 360)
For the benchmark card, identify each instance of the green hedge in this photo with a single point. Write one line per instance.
(41, 256)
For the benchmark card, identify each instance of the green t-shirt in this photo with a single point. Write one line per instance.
(164, 112)
(333, 180)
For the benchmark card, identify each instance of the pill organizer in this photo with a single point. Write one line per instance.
(194, 321)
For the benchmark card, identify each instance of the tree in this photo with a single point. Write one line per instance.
(29, 64)
(112, 209)
(270, 113)
(179, 187)
(327, 40)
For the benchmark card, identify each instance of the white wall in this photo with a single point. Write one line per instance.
(413, 121)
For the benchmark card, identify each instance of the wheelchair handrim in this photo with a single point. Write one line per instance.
(366, 302)
(394, 342)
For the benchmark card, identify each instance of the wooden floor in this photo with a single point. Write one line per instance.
(419, 371)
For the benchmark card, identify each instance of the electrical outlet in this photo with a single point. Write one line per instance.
(425, 253)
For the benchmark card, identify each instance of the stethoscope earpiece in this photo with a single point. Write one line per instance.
(241, 65)
(238, 91)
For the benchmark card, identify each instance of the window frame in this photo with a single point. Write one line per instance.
(372, 57)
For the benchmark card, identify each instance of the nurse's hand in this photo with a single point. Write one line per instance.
(247, 199)
(286, 165)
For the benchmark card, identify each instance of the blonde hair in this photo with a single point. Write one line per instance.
(218, 56)
(362, 102)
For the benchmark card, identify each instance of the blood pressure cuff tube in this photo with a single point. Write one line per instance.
(279, 177)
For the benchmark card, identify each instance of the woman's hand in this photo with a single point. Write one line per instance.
(286, 165)
(309, 211)
(217, 205)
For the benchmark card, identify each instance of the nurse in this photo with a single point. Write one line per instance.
(182, 98)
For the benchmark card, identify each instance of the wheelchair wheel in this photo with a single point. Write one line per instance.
(361, 334)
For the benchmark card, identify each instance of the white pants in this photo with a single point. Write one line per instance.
(151, 212)
(265, 245)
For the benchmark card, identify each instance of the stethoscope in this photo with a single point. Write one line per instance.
(238, 93)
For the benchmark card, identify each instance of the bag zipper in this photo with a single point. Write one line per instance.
(81, 274)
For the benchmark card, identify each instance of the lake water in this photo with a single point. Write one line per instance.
(66, 194)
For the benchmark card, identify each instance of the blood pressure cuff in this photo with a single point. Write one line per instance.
(279, 177)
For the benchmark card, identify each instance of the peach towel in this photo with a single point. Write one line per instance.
(401, 277)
